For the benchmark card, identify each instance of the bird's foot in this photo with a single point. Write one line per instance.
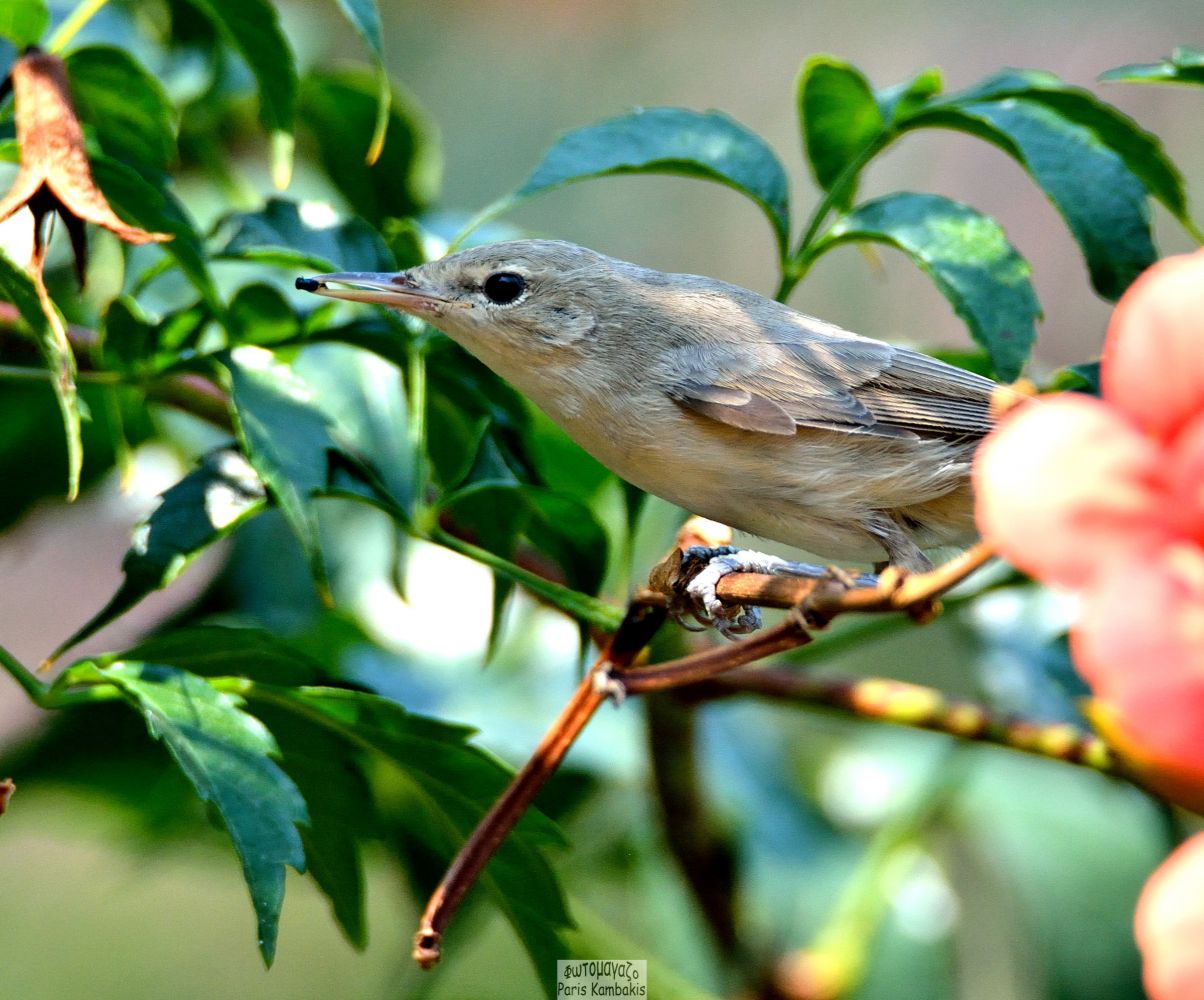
(702, 569)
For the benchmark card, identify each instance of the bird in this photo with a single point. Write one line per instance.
(729, 404)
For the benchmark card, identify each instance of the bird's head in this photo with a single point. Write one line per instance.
(535, 295)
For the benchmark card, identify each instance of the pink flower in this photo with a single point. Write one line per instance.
(1106, 496)
(1170, 925)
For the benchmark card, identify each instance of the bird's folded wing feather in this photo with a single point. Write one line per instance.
(850, 384)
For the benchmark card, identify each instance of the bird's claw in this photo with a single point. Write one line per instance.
(702, 569)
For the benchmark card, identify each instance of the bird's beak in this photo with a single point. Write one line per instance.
(398, 290)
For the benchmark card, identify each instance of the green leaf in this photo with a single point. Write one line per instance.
(259, 314)
(365, 18)
(1141, 151)
(1184, 66)
(1090, 183)
(223, 651)
(969, 258)
(280, 233)
(207, 504)
(226, 754)
(46, 326)
(156, 209)
(341, 811)
(841, 122)
(132, 343)
(454, 783)
(339, 110)
(904, 99)
(1083, 377)
(253, 29)
(291, 442)
(707, 145)
(23, 22)
(125, 105)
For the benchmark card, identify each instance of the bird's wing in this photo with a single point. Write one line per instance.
(850, 384)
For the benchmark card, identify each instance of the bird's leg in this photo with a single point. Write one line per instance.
(901, 550)
(705, 567)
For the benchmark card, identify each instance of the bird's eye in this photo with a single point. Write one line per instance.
(504, 287)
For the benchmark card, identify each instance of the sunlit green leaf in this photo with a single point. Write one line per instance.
(707, 145)
(969, 259)
(205, 505)
(840, 119)
(23, 22)
(227, 755)
(125, 105)
(1185, 65)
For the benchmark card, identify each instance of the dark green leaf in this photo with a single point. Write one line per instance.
(225, 753)
(127, 336)
(454, 784)
(253, 29)
(339, 109)
(1093, 186)
(1141, 151)
(365, 18)
(124, 104)
(222, 651)
(204, 506)
(677, 141)
(292, 443)
(156, 209)
(341, 811)
(382, 335)
(132, 343)
(1184, 66)
(22, 22)
(33, 448)
(280, 234)
(259, 314)
(969, 258)
(840, 120)
(47, 329)
(497, 512)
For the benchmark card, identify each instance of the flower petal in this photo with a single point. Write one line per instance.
(1185, 473)
(1140, 645)
(1153, 364)
(1169, 925)
(1066, 487)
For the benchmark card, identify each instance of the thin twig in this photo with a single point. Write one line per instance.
(914, 705)
(633, 634)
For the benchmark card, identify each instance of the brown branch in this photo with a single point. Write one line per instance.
(921, 707)
(629, 641)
